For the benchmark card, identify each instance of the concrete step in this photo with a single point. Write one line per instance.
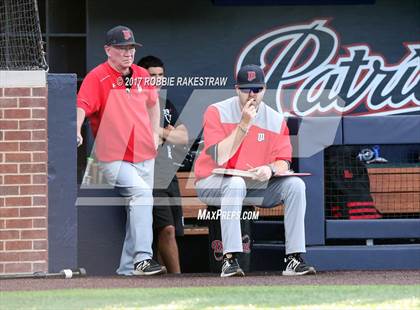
(351, 257)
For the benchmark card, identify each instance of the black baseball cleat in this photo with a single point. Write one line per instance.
(148, 267)
(295, 266)
(230, 267)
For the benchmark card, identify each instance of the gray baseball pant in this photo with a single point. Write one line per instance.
(231, 192)
(135, 182)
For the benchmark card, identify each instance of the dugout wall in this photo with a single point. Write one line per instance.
(374, 43)
(199, 38)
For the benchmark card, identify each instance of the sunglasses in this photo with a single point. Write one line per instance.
(247, 90)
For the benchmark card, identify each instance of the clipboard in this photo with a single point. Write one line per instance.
(248, 174)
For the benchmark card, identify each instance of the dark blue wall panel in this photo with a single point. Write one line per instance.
(397, 129)
(62, 214)
(373, 229)
(377, 257)
(101, 230)
(315, 215)
(313, 136)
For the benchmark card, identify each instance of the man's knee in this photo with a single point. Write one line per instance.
(138, 196)
(235, 184)
(295, 185)
(167, 233)
(140, 192)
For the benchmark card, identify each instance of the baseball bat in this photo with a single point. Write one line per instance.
(65, 274)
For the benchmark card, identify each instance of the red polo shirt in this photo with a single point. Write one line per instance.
(119, 118)
(266, 141)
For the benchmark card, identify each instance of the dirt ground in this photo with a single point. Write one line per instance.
(410, 277)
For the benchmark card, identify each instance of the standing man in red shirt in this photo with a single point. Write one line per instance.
(124, 114)
(244, 133)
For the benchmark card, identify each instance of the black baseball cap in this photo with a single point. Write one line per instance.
(120, 36)
(250, 76)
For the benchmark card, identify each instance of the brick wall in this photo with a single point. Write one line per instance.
(23, 179)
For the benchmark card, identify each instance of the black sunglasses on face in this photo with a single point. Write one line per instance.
(247, 90)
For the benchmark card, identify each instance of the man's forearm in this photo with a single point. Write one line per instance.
(281, 165)
(81, 114)
(230, 145)
(154, 116)
(179, 135)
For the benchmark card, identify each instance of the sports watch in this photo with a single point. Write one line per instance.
(273, 169)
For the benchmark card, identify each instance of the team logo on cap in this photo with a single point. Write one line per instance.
(126, 34)
(260, 137)
(251, 75)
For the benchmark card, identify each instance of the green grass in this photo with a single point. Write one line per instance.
(239, 297)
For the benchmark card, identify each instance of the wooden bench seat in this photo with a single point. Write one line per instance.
(196, 230)
(395, 189)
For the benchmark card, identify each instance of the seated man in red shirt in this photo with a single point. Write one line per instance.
(242, 132)
(124, 116)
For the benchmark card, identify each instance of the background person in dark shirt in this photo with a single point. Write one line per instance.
(167, 217)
